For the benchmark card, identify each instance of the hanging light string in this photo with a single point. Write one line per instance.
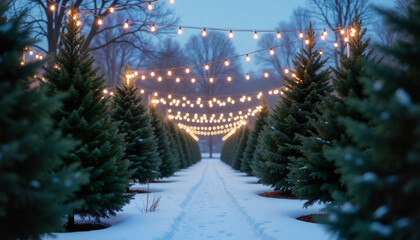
(210, 133)
(53, 6)
(224, 138)
(216, 127)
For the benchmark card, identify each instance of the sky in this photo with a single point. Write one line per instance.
(238, 14)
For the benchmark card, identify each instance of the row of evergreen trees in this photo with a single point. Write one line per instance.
(347, 136)
(67, 149)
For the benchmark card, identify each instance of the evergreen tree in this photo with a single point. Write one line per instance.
(173, 146)
(289, 120)
(33, 196)
(85, 117)
(260, 122)
(237, 161)
(169, 164)
(176, 135)
(381, 171)
(133, 120)
(321, 177)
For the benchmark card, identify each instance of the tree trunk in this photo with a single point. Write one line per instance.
(211, 146)
(70, 221)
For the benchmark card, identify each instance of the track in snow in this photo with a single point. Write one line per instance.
(210, 213)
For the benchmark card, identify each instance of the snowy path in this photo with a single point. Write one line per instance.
(211, 213)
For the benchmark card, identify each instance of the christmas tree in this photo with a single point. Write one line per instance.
(173, 145)
(380, 171)
(178, 144)
(237, 161)
(33, 190)
(290, 118)
(85, 117)
(321, 176)
(133, 120)
(169, 164)
(260, 122)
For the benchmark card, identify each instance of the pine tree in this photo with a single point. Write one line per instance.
(260, 122)
(134, 121)
(289, 120)
(168, 165)
(321, 177)
(237, 161)
(381, 172)
(177, 137)
(85, 117)
(173, 146)
(33, 196)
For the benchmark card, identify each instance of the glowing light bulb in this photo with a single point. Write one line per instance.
(272, 52)
(37, 56)
(321, 52)
(143, 77)
(78, 23)
(169, 73)
(346, 39)
(105, 91)
(179, 30)
(153, 28)
(136, 73)
(229, 78)
(52, 7)
(324, 33)
(187, 70)
(342, 32)
(192, 80)
(204, 32)
(171, 1)
(248, 58)
(231, 34)
(100, 21)
(159, 79)
(206, 67)
(177, 80)
(247, 77)
(227, 63)
(307, 41)
(31, 52)
(255, 35)
(335, 44)
(322, 37)
(211, 80)
(126, 25)
(111, 10)
(266, 75)
(150, 6)
(156, 94)
(286, 70)
(278, 35)
(152, 74)
(300, 34)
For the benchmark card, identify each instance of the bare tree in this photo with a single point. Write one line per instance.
(205, 50)
(47, 24)
(338, 13)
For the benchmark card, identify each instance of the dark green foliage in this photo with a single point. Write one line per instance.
(85, 117)
(237, 161)
(33, 198)
(290, 119)
(381, 171)
(260, 122)
(177, 140)
(133, 120)
(169, 164)
(230, 147)
(321, 176)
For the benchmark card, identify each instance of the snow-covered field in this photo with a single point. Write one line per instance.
(208, 201)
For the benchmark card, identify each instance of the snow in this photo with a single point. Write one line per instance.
(403, 97)
(34, 184)
(377, 86)
(381, 212)
(380, 229)
(208, 201)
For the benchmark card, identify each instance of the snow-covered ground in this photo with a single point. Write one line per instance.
(208, 201)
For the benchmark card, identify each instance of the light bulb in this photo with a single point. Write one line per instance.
(156, 94)
(266, 74)
(322, 37)
(307, 41)
(247, 77)
(227, 63)
(324, 33)
(52, 7)
(111, 10)
(126, 25)
(255, 35)
(278, 35)
(105, 91)
(171, 1)
(204, 33)
(321, 52)
(272, 52)
(78, 23)
(187, 70)
(152, 74)
(211, 80)
(342, 32)
(179, 30)
(177, 80)
(346, 39)
(335, 44)
(300, 34)
(143, 77)
(192, 80)
(150, 6)
(169, 73)
(153, 28)
(229, 78)
(248, 58)
(31, 52)
(159, 79)
(100, 21)
(230, 34)
(286, 70)
(136, 73)
(206, 67)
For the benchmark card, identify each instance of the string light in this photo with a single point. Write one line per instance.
(227, 63)
(126, 25)
(206, 67)
(272, 52)
(335, 44)
(255, 35)
(111, 10)
(278, 35)
(342, 32)
(321, 52)
(100, 21)
(52, 7)
(169, 73)
(159, 79)
(152, 74)
(171, 1)
(266, 75)
(177, 80)
(248, 58)
(204, 33)
(286, 70)
(211, 80)
(231, 34)
(324, 33)
(247, 77)
(300, 35)
(229, 78)
(180, 30)
(78, 23)
(193, 80)
(307, 41)
(150, 6)
(187, 70)
(153, 28)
